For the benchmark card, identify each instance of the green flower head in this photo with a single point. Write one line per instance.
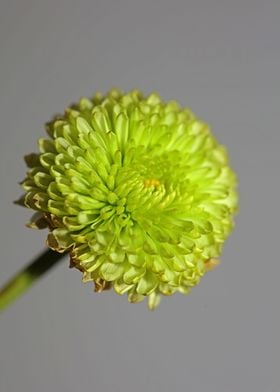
(137, 190)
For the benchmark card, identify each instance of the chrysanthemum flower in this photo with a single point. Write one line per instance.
(137, 190)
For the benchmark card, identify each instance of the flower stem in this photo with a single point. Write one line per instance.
(27, 277)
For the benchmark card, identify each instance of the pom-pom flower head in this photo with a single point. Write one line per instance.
(137, 190)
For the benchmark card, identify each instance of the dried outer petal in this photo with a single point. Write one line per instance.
(38, 221)
(59, 239)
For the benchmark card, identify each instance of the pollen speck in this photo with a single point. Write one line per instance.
(151, 182)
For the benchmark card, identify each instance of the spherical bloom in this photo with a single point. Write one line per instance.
(137, 190)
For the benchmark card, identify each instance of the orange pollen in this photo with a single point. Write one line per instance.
(151, 182)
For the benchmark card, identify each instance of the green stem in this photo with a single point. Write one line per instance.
(27, 277)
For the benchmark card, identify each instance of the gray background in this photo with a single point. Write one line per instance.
(222, 59)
